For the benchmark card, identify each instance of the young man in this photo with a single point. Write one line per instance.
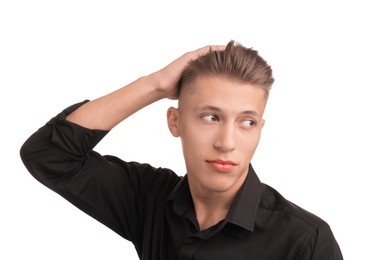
(219, 209)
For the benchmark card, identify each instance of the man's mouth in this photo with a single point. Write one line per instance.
(221, 165)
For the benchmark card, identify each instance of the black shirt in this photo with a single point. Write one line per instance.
(152, 207)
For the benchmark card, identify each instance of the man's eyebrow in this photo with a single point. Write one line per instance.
(251, 112)
(217, 109)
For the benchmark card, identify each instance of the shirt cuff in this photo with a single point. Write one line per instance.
(71, 137)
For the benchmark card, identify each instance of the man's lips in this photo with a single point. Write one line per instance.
(221, 162)
(221, 165)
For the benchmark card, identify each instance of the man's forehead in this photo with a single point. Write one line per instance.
(223, 96)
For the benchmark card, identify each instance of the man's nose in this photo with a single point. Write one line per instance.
(226, 138)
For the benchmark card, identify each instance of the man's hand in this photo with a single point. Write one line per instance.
(107, 111)
(167, 79)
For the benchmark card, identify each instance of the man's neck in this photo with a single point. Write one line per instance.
(210, 211)
(210, 206)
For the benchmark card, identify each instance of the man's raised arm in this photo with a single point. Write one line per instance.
(106, 112)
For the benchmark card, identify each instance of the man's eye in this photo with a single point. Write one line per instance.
(248, 123)
(210, 118)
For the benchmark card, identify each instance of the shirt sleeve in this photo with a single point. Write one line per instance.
(322, 245)
(60, 155)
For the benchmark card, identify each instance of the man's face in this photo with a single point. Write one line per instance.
(219, 122)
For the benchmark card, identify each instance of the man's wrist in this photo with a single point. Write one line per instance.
(158, 85)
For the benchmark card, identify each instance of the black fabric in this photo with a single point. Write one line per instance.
(153, 208)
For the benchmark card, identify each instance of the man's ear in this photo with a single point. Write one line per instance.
(173, 120)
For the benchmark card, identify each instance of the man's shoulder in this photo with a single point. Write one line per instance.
(274, 202)
(145, 175)
(160, 173)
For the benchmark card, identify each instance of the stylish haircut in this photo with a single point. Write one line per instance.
(235, 62)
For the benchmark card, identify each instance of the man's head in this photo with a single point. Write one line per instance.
(220, 116)
(235, 62)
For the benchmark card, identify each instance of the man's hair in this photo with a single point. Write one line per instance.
(235, 62)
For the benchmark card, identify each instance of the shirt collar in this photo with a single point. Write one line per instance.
(243, 210)
(181, 198)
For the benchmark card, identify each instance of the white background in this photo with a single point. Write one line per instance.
(325, 145)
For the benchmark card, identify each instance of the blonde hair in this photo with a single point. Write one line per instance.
(235, 62)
